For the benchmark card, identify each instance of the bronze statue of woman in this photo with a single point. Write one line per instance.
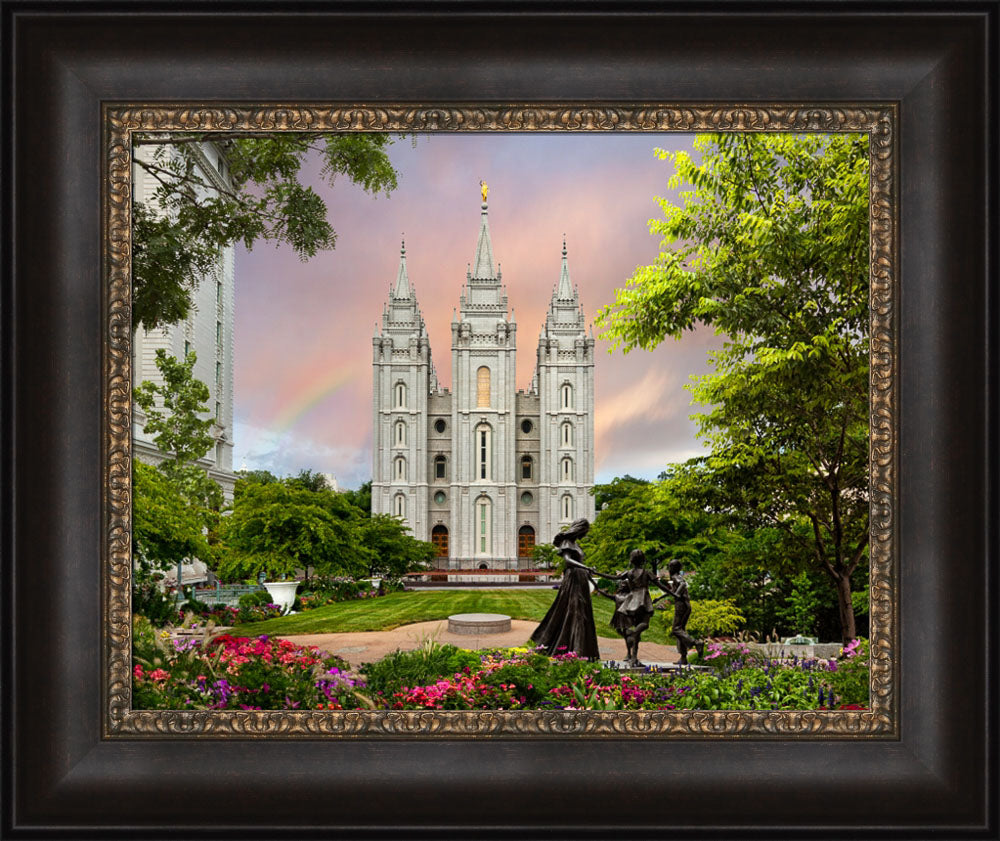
(569, 623)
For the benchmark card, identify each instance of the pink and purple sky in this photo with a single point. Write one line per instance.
(303, 330)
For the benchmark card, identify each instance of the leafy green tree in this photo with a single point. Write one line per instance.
(165, 528)
(179, 234)
(361, 498)
(770, 247)
(545, 556)
(308, 480)
(393, 552)
(175, 505)
(279, 529)
(174, 417)
(617, 488)
(649, 516)
(252, 477)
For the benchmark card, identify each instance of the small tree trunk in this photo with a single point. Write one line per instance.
(845, 607)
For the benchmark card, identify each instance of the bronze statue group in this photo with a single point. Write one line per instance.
(569, 623)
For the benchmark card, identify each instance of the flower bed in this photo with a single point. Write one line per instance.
(237, 673)
(232, 672)
(522, 679)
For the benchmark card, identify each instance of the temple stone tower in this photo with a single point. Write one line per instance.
(484, 470)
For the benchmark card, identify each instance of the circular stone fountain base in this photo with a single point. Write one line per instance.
(478, 623)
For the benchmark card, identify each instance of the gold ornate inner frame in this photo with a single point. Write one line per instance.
(122, 121)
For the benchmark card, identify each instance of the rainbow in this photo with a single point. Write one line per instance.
(312, 395)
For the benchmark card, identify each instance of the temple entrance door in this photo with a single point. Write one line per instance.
(525, 541)
(439, 537)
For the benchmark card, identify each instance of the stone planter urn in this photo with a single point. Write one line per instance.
(282, 593)
(375, 583)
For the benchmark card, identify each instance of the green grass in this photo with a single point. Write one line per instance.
(395, 609)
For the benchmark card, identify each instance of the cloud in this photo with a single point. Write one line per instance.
(286, 453)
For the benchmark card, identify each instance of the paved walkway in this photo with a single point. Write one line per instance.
(369, 646)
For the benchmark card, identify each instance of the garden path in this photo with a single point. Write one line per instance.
(369, 646)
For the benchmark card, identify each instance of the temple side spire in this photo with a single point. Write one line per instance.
(402, 279)
(565, 291)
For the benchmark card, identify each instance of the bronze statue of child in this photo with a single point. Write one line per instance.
(633, 605)
(677, 588)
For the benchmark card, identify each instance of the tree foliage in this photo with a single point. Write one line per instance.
(174, 411)
(650, 516)
(770, 247)
(393, 551)
(176, 504)
(281, 526)
(178, 234)
(361, 498)
(165, 527)
(546, 556)
(278, 529)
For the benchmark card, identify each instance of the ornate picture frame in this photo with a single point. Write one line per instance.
(122, 122)
(79, 763)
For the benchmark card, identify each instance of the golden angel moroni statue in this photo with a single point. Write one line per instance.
(485, 190)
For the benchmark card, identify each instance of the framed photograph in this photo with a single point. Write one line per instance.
(109, 95)
(450, 475)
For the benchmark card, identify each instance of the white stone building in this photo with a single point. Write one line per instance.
(484, 470)
(208, 331)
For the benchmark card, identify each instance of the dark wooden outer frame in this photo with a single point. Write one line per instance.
(61, 774)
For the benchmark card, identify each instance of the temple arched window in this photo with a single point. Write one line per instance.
(484, 452)
(483, 387)
(567, 507)
(484, 524)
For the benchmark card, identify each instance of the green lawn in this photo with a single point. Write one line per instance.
(397, 609)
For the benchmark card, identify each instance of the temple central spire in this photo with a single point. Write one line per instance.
(482, 266)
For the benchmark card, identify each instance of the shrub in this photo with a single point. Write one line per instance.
(196, 606)
(255, 599)
(710, 617)
(150, 601)
(319, 592)
(415, 668)
(849, 684)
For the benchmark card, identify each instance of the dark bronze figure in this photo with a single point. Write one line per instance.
(633, 606)
(678, 588)
(569, 623)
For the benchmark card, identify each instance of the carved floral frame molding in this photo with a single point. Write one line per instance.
(120, 123)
